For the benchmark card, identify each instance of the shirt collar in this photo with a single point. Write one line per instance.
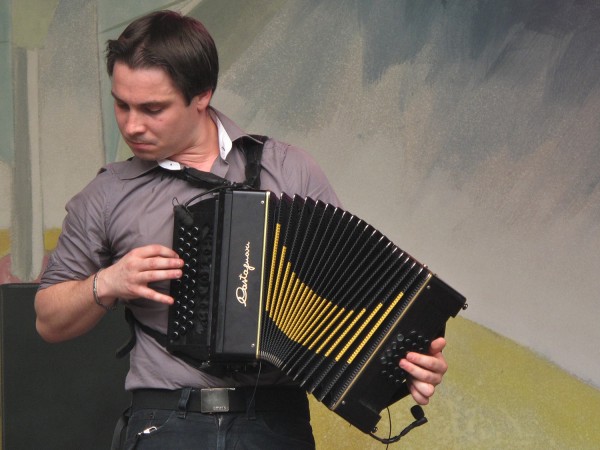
(225, 143)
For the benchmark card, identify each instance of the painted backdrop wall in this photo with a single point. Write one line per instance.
(467, 131)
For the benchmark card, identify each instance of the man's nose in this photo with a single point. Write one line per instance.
(134, 123)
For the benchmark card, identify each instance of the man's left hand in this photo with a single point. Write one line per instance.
(425, 371)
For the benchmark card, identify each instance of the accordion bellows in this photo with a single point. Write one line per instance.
(309, 288)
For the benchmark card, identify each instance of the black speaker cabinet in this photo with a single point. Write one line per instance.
(65, 396)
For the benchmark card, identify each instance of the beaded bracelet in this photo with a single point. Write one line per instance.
(95, 292)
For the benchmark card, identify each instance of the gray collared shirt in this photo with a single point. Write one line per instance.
(130, 204)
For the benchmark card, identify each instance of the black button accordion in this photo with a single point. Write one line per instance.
(309, 288)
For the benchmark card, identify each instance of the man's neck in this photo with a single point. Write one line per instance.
(203, 154)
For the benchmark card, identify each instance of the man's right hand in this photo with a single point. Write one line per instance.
(128, 278)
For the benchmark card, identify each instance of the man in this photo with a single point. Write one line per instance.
(116, 242)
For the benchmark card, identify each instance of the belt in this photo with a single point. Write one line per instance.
(221, 400)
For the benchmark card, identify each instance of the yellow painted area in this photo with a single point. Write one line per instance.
(51, 239)
(4, 242)
(496, 395)
(30, 21)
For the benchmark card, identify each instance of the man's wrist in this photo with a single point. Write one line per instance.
(111, 307)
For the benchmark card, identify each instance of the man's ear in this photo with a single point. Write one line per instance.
(203, 100)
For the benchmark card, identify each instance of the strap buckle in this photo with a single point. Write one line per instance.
(215, 400)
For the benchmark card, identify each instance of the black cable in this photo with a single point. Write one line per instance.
(420, 419)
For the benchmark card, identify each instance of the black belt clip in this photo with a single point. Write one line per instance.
(216, 400)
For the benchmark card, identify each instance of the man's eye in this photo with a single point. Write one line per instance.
(121, 105)
(154, 110)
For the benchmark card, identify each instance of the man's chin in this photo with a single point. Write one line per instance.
(146, 154)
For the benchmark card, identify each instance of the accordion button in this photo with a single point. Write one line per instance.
(400, 337)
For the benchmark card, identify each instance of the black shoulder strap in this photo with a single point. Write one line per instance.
(253, 152)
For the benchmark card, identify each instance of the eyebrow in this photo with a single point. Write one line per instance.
(150, 104)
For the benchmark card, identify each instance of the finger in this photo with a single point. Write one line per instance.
(421, 392)
(423, 368)
(161, 263)
(436, 364)
(437, 346)
(152, 250)
(154, 275)
(151, 294)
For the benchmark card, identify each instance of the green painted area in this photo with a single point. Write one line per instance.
(248, 19)
(30, 21)
(496, 395)
(6, 89)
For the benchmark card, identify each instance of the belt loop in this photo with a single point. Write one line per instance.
(183, 402)
(250, 395)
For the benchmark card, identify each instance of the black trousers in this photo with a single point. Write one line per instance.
(273, 418)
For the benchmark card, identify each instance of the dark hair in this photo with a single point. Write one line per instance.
(178, 44)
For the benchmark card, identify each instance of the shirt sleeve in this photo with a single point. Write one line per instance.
(82, 246)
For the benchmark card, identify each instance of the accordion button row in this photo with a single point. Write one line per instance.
(396, 350)
(194, 247)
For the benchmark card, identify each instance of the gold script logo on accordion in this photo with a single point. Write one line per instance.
(241, 293)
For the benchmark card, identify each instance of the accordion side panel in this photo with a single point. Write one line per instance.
(242, 273)
(378, 379)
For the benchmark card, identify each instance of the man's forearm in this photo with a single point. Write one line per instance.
(67, 310)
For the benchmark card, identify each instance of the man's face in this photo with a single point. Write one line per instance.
(152, 114)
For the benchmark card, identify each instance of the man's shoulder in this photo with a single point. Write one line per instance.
(128, 169)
